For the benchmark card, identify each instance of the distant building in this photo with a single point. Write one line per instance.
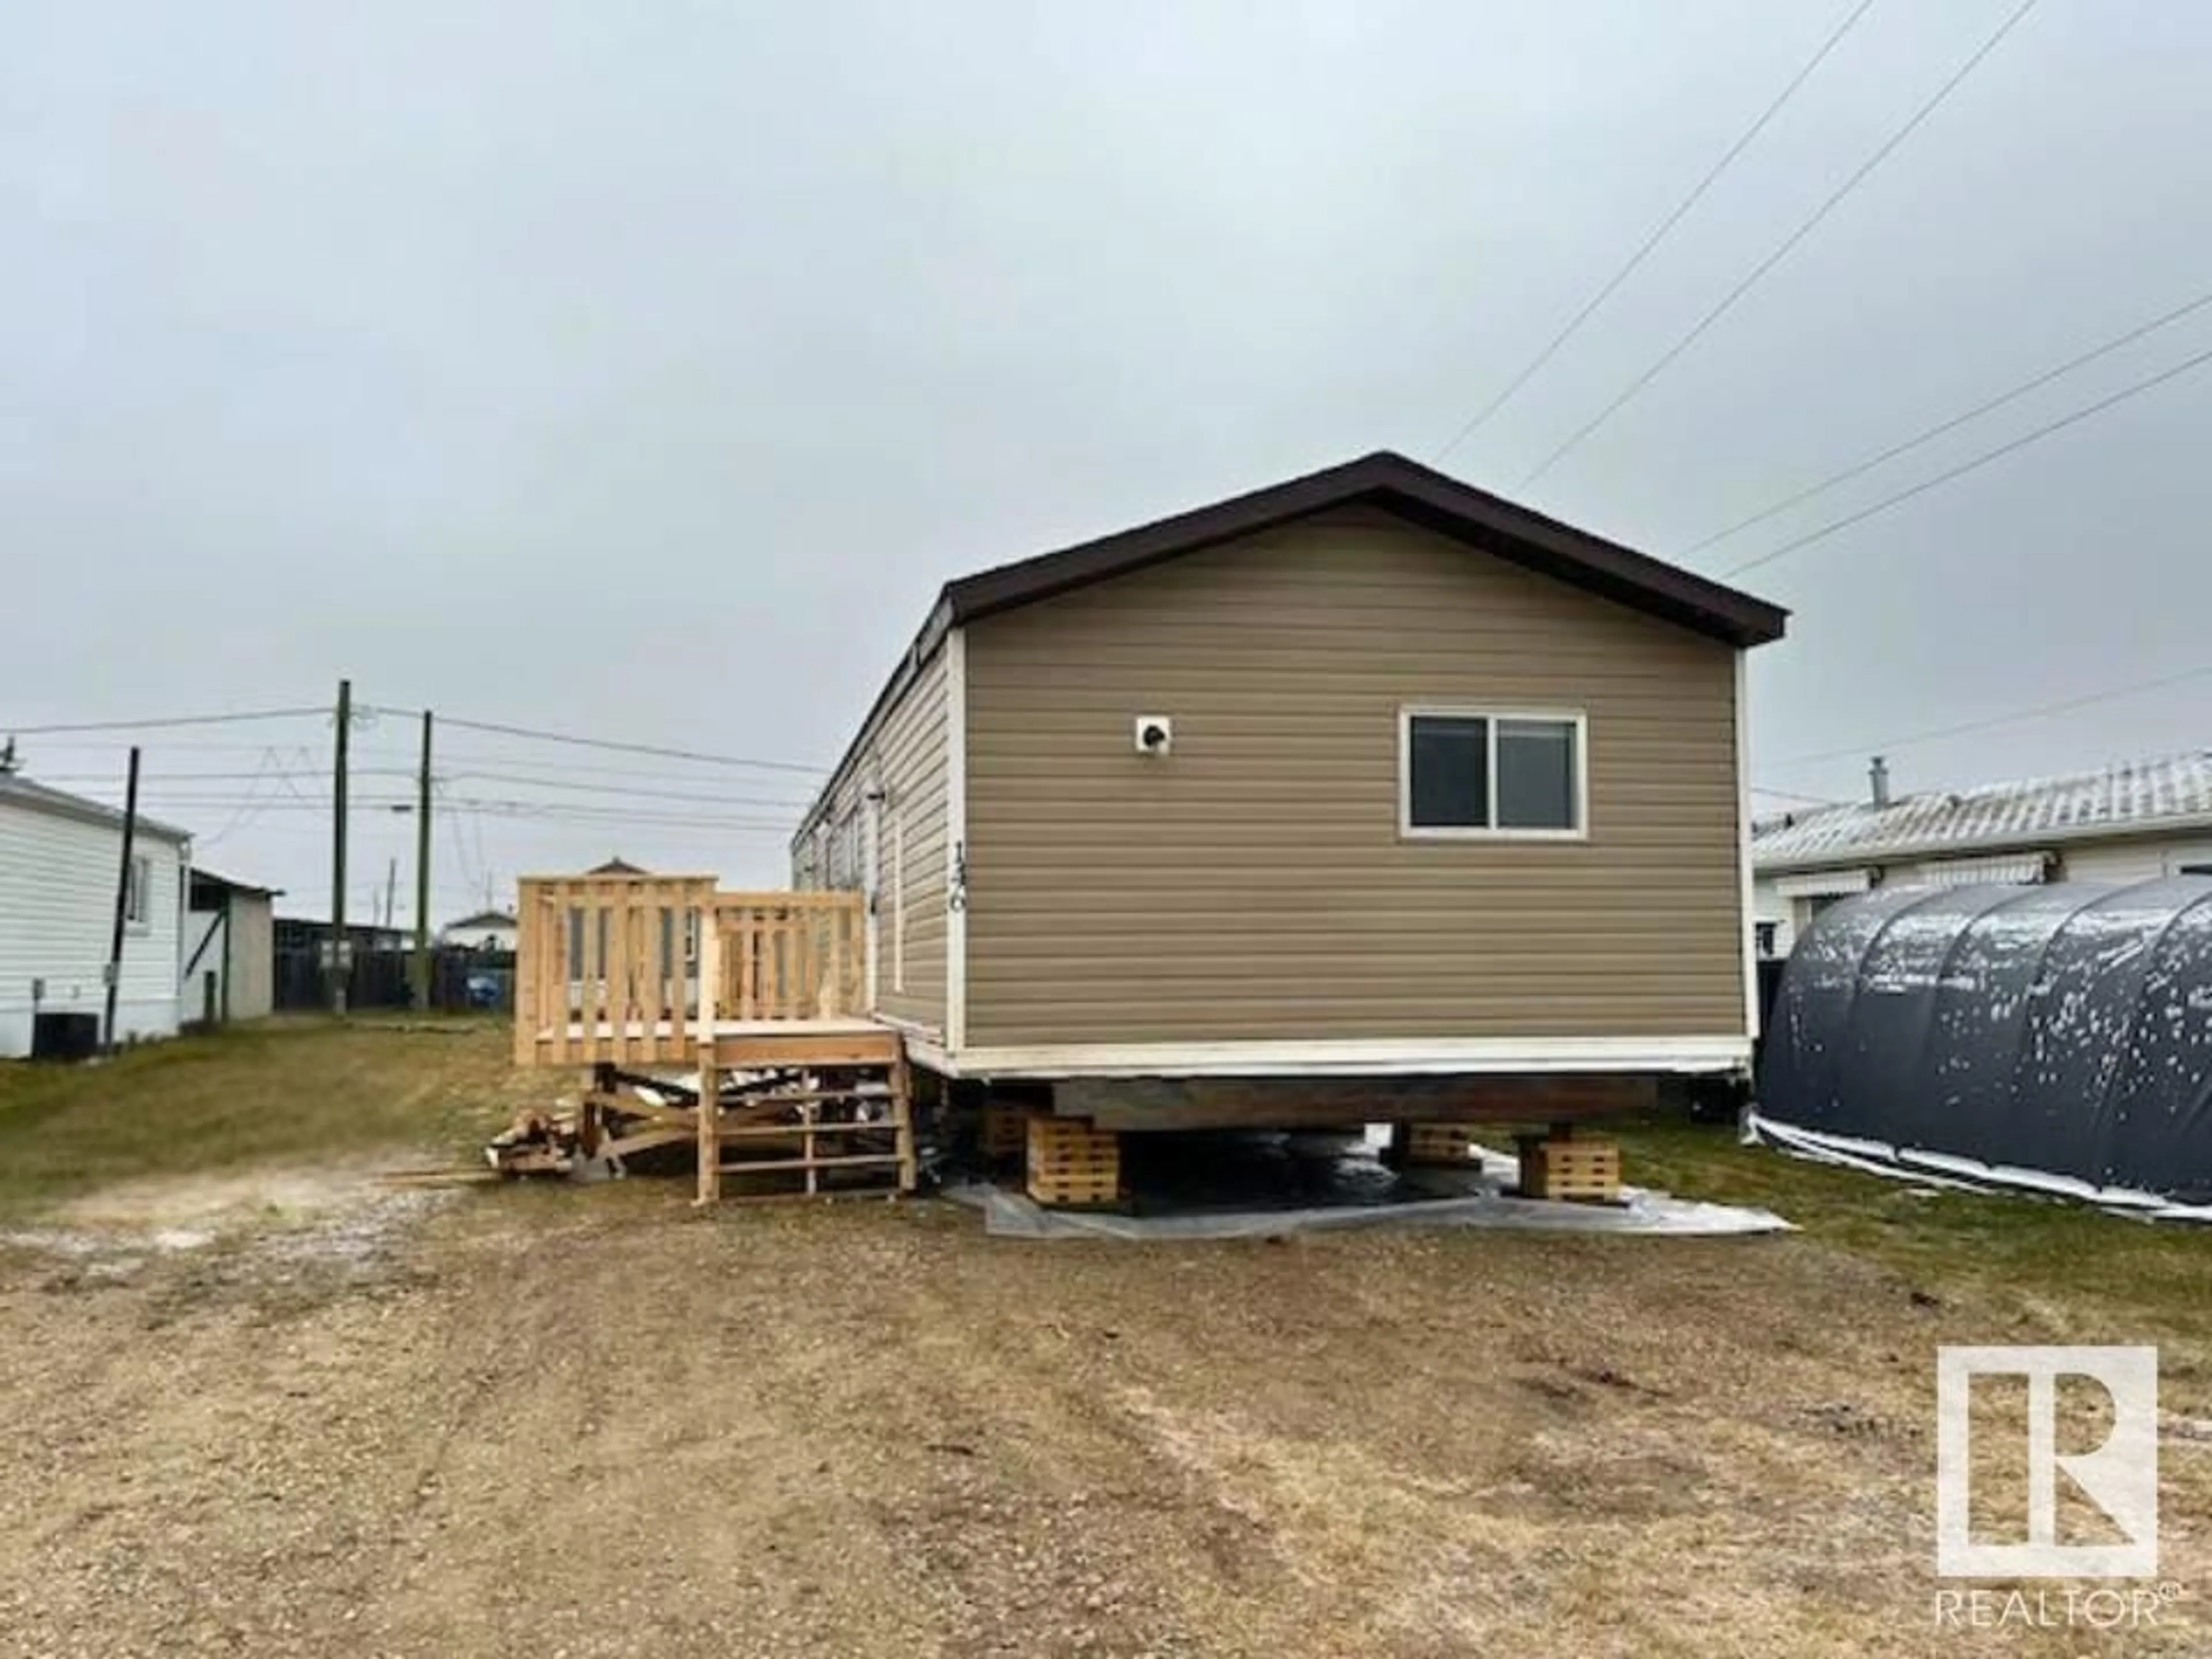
(485, 930)
(2128, 821)
(60, 857)
(313, 932)
(229, 949)
(616, 866)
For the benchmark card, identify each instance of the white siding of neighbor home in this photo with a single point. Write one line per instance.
(1769, 906)
(56, 911)
(2140, 858)
(2133, 861)
(486, 936)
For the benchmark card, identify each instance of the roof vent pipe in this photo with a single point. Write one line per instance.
(1878, 781)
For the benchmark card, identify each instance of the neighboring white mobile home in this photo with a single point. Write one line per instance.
(59, 858)
(484, 930)
(2132, 821)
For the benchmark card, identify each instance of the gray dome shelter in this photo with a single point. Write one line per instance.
(2059, 1031)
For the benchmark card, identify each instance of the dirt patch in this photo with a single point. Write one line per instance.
(217, 1201)
(595, 1423)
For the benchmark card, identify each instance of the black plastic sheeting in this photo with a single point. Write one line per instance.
(2065, 1029)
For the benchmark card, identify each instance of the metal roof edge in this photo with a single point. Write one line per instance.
(2133, 829)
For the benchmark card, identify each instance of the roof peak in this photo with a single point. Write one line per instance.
(1435, 500)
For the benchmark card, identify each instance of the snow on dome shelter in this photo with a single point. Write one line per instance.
(2056, 1037)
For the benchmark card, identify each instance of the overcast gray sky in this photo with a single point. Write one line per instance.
(640, 370)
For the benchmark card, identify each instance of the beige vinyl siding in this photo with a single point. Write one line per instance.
(907, 754)
(1252, 884)
(911, 747)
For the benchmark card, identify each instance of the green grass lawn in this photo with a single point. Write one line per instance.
(310, 1090)
(2041, 1247)
(297, 1091)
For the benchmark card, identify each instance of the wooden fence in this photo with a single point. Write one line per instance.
(632, 969)
(791, 956)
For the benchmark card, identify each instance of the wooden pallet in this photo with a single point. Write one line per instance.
(1449, 1144)
(1556, 1166)
(1071, 1165)
(1006, 1130)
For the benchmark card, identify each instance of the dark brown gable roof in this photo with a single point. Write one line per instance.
(1415, 492)
(1420, 493)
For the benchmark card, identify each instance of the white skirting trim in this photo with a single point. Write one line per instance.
(1344, 1056)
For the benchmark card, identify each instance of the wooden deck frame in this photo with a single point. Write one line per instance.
(637, 970)
(818, 1144)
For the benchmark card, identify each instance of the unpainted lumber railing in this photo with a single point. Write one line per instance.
(633, 970)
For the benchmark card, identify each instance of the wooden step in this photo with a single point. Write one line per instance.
(789, 1131)
(771, 1165)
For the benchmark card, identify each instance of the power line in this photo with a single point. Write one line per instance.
(196, 777)
(168, 746)
(2065, 705)
(496, 806)
(604, 743)
(1759, 271)
(453, 833)
(1975, 464)
(314, 795)
(1954, 422)
(1482, 418)
(1794, 794)
(629, 790)
(540, 812)
(246, 813)
(626, 790)
(562, 767)
(172, 720)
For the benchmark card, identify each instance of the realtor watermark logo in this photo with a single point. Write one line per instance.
(2120, 1476)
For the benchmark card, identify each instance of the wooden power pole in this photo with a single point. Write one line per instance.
(421, 977)
(124, 885)
(341, 957)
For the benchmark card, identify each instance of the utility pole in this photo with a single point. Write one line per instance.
(391, 887)
(341, 957)
(420, 977)
(123, 897)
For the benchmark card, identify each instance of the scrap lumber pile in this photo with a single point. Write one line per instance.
(536, 1143)
(780, 1131)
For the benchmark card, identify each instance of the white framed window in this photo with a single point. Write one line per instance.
(1492, 774)
(137, 888)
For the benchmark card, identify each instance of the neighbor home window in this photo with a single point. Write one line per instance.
(1490, 772)
(137, 882)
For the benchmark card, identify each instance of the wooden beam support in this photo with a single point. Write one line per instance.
(1140, 1103)
(710, 1121)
